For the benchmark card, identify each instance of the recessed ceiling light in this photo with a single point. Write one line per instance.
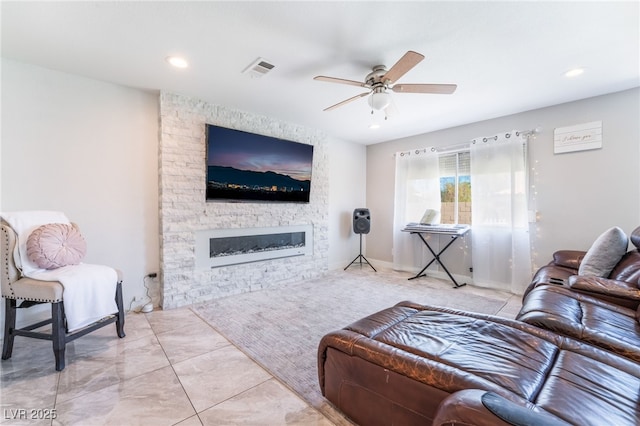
(177, 61)
(574, 72)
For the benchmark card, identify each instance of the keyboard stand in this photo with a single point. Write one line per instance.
(436, 256)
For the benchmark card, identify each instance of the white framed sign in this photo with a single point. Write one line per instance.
(580, 137)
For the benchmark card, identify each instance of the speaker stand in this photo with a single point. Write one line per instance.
(361, 258)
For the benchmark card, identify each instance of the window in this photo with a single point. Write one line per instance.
(455, 187)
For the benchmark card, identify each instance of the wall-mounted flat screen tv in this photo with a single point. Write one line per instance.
(244, 167)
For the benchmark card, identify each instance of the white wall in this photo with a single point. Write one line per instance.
(578, 195)
(347, 191)
(90, 149)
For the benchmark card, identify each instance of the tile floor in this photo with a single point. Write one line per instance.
(171, 369)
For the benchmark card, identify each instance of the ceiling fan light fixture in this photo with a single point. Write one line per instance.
(378, 82)
(379, 100)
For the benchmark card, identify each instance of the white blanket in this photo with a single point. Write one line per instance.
(89, 290)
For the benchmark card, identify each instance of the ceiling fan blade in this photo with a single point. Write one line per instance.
(346, 101)
(400, 68)
(442, 89)
(340, 80)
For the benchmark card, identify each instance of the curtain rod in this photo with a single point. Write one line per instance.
(465, 145)
(518, 133)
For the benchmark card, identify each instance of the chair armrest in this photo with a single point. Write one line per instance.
(604, 286)
(568, 258)
(481, 408)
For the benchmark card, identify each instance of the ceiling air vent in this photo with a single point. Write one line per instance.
(258, 68)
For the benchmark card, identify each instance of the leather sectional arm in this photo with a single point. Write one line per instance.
(480, 408)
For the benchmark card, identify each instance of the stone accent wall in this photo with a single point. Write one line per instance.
(183, 209)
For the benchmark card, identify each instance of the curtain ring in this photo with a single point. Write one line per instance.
(507, 136)
(433, 149)
(484, 139)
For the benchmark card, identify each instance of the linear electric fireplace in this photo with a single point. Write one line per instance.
(222, 247)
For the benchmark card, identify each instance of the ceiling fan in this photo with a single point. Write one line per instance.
(379, 80)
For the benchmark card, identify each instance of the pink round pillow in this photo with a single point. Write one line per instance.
(55, 245)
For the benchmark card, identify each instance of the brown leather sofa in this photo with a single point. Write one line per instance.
(621, 287)
(419, 365)
(601, 311)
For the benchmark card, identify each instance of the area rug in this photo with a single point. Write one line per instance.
(280, 328)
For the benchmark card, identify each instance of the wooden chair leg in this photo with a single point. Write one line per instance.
(120, 315)
(58, 334)
(9, 325)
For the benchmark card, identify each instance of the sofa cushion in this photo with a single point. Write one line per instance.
(55, 245)
(605, 253)
(583, 317)
(628, 269)
(635, 237)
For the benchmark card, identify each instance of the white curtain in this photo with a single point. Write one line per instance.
(500, 230)
(417, 189)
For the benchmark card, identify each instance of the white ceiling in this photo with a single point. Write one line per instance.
(505, 57)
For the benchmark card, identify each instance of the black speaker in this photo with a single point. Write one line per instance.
(361, 221)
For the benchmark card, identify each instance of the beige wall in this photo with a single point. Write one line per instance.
(577, 195)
